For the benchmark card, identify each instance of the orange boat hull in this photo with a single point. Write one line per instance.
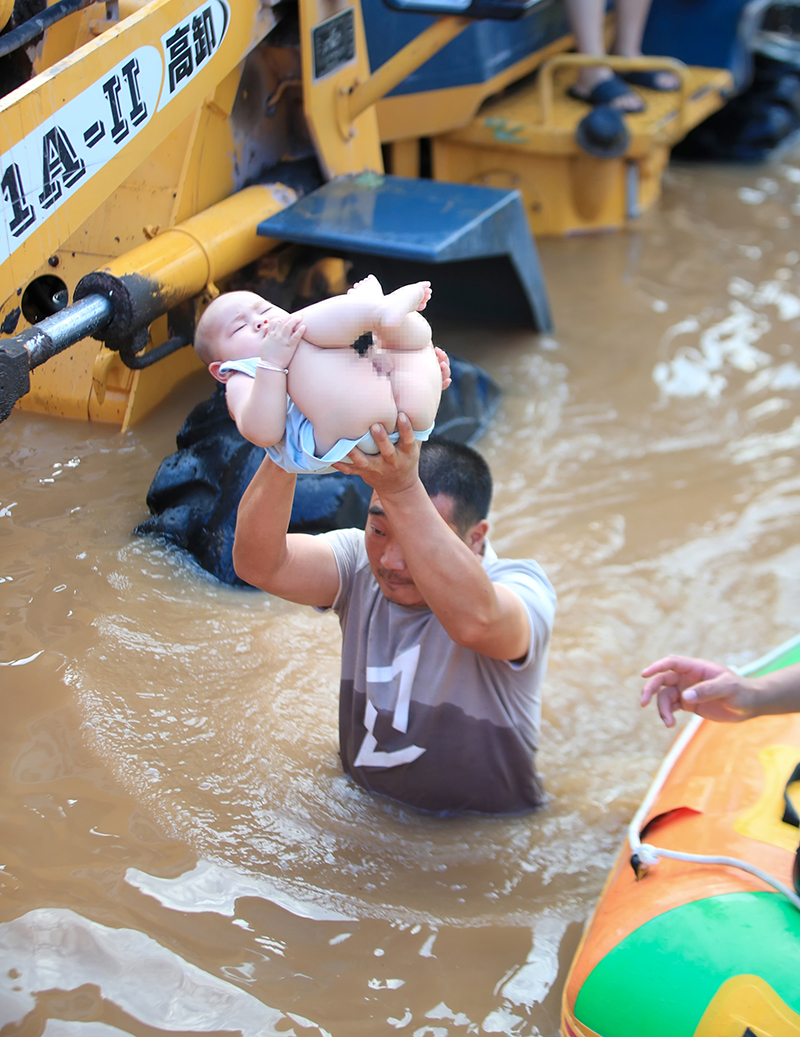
(701, 950)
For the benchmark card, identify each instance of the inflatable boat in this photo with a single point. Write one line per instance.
(697, 931)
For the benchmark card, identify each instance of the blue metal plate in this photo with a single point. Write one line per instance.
(426, 221)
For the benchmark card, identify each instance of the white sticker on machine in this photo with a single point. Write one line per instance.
(68, 148)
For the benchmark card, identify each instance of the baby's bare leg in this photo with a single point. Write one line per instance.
(370, 283)
(413, 332)
(417, 385)
(339, 321)
(404, 301)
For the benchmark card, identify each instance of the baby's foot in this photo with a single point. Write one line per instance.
(402, 302)
(370, 284)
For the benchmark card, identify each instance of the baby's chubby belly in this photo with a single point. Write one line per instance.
(340, 393)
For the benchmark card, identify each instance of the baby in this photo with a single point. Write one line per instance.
(335, 395)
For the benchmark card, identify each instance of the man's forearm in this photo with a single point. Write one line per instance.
(448, 574)
(259, 546)
(777, 692)
(487, 618)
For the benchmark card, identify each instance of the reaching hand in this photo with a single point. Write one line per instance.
(444, 367)
(282, 339)
(697, 686)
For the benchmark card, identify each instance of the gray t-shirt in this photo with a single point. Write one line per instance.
(422, 719)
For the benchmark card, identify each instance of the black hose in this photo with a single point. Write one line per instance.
(35, 26)
(137, 362)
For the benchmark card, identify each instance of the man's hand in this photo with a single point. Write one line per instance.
(282, 339)
(444, 367)
(697, 686)
(394, 469)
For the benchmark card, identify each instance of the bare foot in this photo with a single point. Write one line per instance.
(400, 303)
(370, 284)
(426, 294)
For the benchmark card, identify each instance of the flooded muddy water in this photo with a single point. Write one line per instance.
(179, 850)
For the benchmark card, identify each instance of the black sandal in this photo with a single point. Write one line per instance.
(649, 79)
(605, 93)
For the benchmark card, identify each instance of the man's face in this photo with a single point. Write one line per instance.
(386, 556)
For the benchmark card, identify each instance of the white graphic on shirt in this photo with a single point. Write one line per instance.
(369, 755)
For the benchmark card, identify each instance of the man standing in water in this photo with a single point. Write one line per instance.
(444, 645)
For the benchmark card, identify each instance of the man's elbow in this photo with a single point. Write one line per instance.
(499, 640)
(256, 566)
(472, 631)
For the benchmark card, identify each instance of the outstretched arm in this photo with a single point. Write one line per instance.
(717, 693)
(258, 405)
(294, 566)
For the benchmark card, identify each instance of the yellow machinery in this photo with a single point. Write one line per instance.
(517, 130)
(127, 131)
(126, 159)
(529, 141)
(123, 155)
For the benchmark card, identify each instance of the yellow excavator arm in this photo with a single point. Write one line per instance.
(75, 133)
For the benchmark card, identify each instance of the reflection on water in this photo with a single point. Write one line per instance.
(55, 950)
(180, 850)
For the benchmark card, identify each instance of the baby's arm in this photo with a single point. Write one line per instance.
(258, 405)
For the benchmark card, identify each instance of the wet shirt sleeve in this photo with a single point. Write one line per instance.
(528, 581)
(351, 556)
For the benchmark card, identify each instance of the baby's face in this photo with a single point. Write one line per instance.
(241, 325)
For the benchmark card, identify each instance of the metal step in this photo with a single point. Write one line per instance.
(416, 226)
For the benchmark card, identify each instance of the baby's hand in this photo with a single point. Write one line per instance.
(282, 339)
(444, 366)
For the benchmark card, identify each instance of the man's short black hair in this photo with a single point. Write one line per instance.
(460, 473)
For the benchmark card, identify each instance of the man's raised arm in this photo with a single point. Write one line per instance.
(480, 615)
(294, 566)
(476, 613)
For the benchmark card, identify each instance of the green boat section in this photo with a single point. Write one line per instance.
(661, 978)
(787, 656)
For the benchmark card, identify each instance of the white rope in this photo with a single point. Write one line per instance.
(662, 774)
(649, 854)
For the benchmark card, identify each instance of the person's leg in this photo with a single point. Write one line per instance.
(587, 18)
(341, 320)
(631, 21)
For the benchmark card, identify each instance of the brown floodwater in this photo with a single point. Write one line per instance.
(179, 850)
